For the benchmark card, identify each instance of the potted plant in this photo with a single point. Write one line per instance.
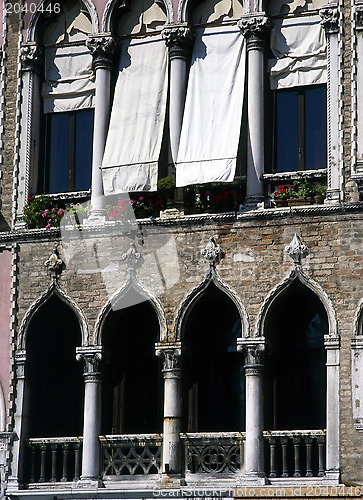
(320, 193)
(300, 192)
(281, 196)
(167, 185)
(141, 207)
(41, 212)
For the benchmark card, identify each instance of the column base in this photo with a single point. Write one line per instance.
(252, 479)
(97, 216)
(89, 483)
(253, 202)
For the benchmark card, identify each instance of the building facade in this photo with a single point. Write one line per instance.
(179, 316)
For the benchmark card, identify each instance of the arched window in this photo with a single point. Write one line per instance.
(213, 378)
(53, 375)
(295, 361)
(67, 89)
(132, 380)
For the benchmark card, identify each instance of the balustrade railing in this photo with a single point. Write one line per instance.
(295, 453)
(54, 459)
(213, 452)
(128, 455)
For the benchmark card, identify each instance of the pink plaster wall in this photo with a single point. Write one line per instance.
(5, 294)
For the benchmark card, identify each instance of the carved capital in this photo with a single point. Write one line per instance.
(297, 250)
(171, 356)
(31, 58)
(55, 264)
(211, 252)
(330, 19)
(102, 49)
(179, 40)
(359, 17)
(91, 359)
(254, 28)
(253, 349)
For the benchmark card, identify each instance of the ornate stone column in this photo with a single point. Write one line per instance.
(253, 349)
(31, 67)
(91, 358)
(254, 28)
(171, 354)
(21, 423)
(178, 39)
(102, 48)
(330, 22)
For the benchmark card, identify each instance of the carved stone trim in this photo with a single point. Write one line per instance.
(31, 58)
(179, 41)
(91, 358)
(296, 250)
(102, 48)
(254, 28)
(330, 19)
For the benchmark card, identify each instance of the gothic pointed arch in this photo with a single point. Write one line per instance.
(280, 288)
(37, 19)
(56, 290)
(133, 292)
(210, 278)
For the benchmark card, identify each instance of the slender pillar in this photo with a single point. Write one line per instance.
(102, 49)
(253, 349)
(254, 28)
(91, 358)
(179, 41)
(172, 407)
(330, 22)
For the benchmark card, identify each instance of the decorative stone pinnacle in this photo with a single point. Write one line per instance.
(55, 264)
(297, 250)
(211, 252)
(254, 25)
(132, 257)
(330, 19)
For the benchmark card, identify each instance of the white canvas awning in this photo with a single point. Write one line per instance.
(133, 144)
(213, 109)
(299, 46)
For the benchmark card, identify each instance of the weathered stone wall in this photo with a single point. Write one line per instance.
(254, 263)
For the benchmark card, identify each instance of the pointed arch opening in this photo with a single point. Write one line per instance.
(54, 377)
(132, 389)
(213, 377)
(295, 376)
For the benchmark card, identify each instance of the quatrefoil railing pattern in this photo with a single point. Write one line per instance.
(131, 455)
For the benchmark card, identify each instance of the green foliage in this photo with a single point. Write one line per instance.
(166, 183)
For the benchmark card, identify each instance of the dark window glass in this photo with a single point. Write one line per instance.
(300, 129)
(68, 152)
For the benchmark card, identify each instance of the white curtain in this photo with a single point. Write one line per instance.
(213, 109)
(133, 144)
(299, 46)
(69, 81)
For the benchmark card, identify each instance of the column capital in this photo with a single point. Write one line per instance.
(31, 57)
(330, 20)
(254, 28)
(91, 358)
(171, 356)
(20, 359)
(102, 48)
(179, 40)
(253, 349)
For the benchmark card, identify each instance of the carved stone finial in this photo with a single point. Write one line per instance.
(211, 252)
(179, 40)
(297, 250)
(254, 26)
(330, 19)
(55, 264)
(102, 49)
(31, 58)
(132, 258)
